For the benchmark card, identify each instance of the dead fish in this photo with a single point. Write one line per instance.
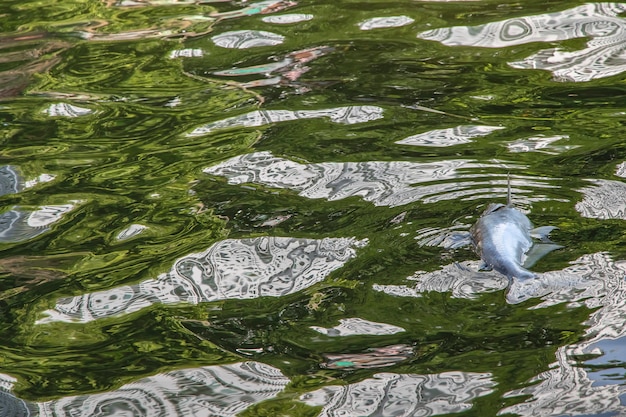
(503, 237)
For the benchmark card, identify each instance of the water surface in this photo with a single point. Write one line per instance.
(259, 208)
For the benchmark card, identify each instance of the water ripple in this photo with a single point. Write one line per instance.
(357, 326)
(543, 144)
(598, 21)
(230, 269)
(131, 231)
(385, 22)
(597, 282)
(382, 183)
(344, 115)
(409, 395)
(224, 391)
(450, 136)
(604, 200)
(18, 225)
(244, 39)
(66, 110)
(285, 19)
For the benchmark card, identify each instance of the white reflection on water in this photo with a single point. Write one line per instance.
(17, 225)
(207, 391)
(385, 22)
(285, 19)
(355, 326)
(243, 39)
(10, 405)
(345, 115)
(462, 280)
(408, 395)
(543, 144)
(595, 281)
(450, 136)
(230, 269)
(12, 182)
(131, 231)
(66, 110)
(602, 57)
(604, 200)
(227, 390)
(187, 53)
(383, 183)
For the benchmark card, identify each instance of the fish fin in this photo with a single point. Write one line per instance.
(538, 251)
(457, 240)
(542, 233)
(508, 193)
(485, 266)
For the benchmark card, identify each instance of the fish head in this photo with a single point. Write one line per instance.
(492, 208)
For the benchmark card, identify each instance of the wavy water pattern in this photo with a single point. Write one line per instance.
(17, 225)
(289, 18)
(462, 280)
(598, 21)
(131, 231)
(450, 136)
(355, 326)
(12, 182)
(406, 395)
(261, 7)
(595, 281)
(385, 22)
(465, 280)
(244, 39)
(284, 72)
(10, 405)
(543, 144)
(603, 200)
(344, 115)
(379, 357)
(211, 390)
(142, 298)
(230, 269)
(187, 53)
(381, 183)
(66, 110)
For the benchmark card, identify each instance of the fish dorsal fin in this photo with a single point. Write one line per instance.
(508, 194)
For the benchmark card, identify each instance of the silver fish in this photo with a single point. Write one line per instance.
(502, 237)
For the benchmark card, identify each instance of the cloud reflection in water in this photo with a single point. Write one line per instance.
(450, 136)
(383, 183)
(211, 390)
(603, 200)
(244, 39)
(355, 326)
(602, 57)
(595, 281)
(344, 115)
(408, 395)
(230, 269)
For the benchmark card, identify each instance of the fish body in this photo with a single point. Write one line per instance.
(502, 238)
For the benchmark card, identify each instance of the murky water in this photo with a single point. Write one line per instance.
(216, 208)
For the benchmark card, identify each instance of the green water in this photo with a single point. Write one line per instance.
(131, 159)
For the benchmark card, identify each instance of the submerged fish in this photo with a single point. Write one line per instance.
(503, 239)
